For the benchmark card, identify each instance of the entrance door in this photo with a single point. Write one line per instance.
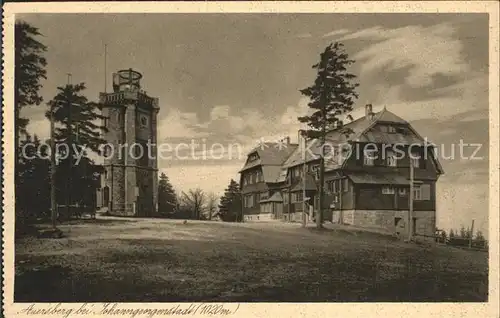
(105, 196)
(400, 227)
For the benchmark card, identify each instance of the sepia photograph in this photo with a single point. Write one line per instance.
(250, 157)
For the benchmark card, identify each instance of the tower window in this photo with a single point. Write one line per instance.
(144, 121)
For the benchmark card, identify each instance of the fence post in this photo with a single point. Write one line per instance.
(471, 234)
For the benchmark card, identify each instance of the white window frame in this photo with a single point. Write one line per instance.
(369, 157)
(388, 190)
(414, 160)
(330, 186)
(249, 200)
(391, 159)
(402, 192)
(345, 185)
(417, 193)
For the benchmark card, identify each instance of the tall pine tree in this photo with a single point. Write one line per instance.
(34, 176)
(29, 70)
(230, 209)
(79, 129)
(167, 199)
(331, 96)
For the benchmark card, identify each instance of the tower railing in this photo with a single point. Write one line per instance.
(119, 97)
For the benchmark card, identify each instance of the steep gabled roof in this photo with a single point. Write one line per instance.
(276, 197)
(271, 173)
(270, 154)
(362, 130)
(310, 184)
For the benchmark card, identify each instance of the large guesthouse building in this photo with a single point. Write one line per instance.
(368, 167)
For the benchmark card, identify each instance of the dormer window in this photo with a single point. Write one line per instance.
(253, 157)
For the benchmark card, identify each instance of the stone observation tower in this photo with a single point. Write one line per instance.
(130, 179)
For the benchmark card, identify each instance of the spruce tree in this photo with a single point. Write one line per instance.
(332, 95)
(29, 70)
(33, 178)
(167, 199)
(230, 203)
(78, 128)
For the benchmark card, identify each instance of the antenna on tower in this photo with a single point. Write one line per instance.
(105, 69)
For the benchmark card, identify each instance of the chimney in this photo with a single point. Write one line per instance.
(369, 111)
(287, 139)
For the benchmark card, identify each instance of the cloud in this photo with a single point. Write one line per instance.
(180, 125)
(460, 203)
(373, 33)
(336, 33)
(303, 36)
(213, 178)
(425, 50)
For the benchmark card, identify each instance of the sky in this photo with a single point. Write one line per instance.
(235, 78)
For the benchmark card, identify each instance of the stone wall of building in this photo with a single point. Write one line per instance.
(117, 190)
(264, 217)
(393, 221)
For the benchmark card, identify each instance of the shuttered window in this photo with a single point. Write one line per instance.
(426, 191)
(422, 192)
(345, 185)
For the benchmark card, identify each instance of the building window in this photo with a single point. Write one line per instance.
(396, 221)
(391, 129)
(253, 157)
(402, 191)
(285, 197)
(107, 150)
(258, 176)
(391, 159)
(105, 195)
(345, 185)
(105, 122)
(417, 193)
(402, 130)
(369, 157)
(144, 120)
(297, 197)
(249, 201)
(388, 190)
(422, 192)
(315, 170)
(330, 186)
(415, 159)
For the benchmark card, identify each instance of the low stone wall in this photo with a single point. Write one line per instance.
(263, 217)
(294, 217)
(392, 222)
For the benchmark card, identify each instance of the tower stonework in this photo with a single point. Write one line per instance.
(131, 166)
